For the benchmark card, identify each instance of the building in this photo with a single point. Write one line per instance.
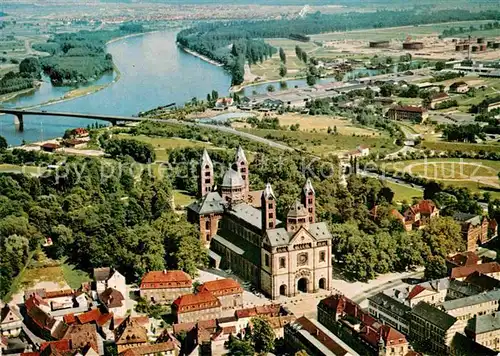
(410, 113)
(466, 308)
(74, 143)
(360, 151)
(367, 335)
(223, 103)
(485, 330)
(459, 87)
(437, 99)
(379, 44)
(476, 229)
(80, 132)
(193, 307)
(11, 321)
(315, 339)
(433, 328)
(82, 336)
(130, 334)
(279, 258)
(419, 215)
(50, 147)
(228, 291)
(107, 277)
(390, 311)
(159, 349)
(165, 286)
(114, 301)
(413, 45)
(491, 269)
(489, 104)
(467, 258)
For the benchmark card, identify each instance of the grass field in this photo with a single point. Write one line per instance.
(477, 175)
(403, 193)
(320, 123)
(399, 33)
(460, 146)
(320, 143)
(183, 198)
(163, 144)
(21, 169)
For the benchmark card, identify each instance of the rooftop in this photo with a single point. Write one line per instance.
(484, 268)
(210, 203)
(166, 277)
(224, 286)
(433, 315)
(484, 323)
(471, 300)
(191, 302)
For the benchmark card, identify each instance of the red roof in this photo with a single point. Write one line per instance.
(269, 310)
(468, 258)
(165, 279)
(415, 291)
(424, 206)
(51, 145)
(221, 287)
(60, 345)
(69, 318)
(200, 301)
(95, 316)
(410, 108)
(391, 336)
(484, 268)
(439, 96)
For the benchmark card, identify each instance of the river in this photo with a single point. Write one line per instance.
(154, 72)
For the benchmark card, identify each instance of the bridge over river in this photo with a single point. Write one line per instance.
(20, 114)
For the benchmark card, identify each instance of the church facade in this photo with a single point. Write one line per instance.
(242, 231)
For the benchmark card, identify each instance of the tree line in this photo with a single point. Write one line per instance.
(29, 72)
(97, 213)
(80, 57)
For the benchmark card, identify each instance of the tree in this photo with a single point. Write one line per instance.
(283, 71)
(270, 88)
(304, 56)
(435, 268)
(443, 236)
(3, 144)
(31, 66)
(310, 79)
(262, 335)
(238, 347)
(282, 55)
(440, 65)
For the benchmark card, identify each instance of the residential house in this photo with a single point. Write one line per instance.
(419, 215)
(81, 336)
(467, 258)
(129, 334)
(433, 328)
(74, 143)
(194, 307)
(341, 315)
(476, 229)
(390, 311)
(460, 87)
(482, 281)
(223, 103)
(38, 318)
(114, 301)
(107, 277)
(468, 307)
(489, 104)
(437, 99)
(11, 321)
(408, 113)
(165, 286)
(360, 151)
(167, 348)
(80, 132)
(485, 330)
(315, 339)
(228, 291)
(491, 269)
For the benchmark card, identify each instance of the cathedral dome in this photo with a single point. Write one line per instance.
(232, 179)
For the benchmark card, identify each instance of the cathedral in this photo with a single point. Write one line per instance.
(243, 233)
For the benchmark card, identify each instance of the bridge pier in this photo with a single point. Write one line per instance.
(19, 122)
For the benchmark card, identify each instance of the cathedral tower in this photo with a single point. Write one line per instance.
(206, 178)
(242, 168)
(268, 209)
(309, 200)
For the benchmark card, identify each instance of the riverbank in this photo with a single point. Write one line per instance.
(13, 95)
(201, 56)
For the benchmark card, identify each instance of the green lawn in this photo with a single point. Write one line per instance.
(404, 193)
(22, 169)
(460, 146)
(163, 144)
(322, 143)
(74, 277)
(183, 198)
